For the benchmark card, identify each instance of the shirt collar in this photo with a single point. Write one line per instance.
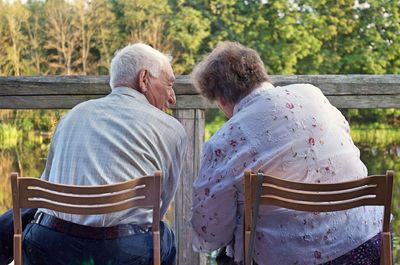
(131, 92)
(257, 91)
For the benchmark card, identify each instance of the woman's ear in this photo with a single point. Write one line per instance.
(143, 80)
(222, 101)
(225, 106)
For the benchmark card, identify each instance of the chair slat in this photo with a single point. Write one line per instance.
(321, 196)
(317, 206)
(89, 209)
(77, 189)
(91, 199)
(370, 180)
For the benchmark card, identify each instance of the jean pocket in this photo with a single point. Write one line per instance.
(34, 254)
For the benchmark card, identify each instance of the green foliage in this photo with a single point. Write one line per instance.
(187, 30)
(105, 39)
(8, 136)
(35, 120)
(214, 120)
(292, 37)
(373, 118)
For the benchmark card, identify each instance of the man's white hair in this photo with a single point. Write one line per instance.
(128, 61)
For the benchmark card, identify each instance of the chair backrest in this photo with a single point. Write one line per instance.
(261, 189)
(86, 200)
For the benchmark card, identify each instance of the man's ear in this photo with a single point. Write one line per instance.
(143, 80)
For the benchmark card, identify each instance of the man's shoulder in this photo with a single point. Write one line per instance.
(172, 123)
(87, 104)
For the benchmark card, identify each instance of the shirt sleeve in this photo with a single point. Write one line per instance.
(174, 170)
(49, 161)
(218, 191)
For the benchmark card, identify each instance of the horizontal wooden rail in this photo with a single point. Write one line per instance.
(49, 92)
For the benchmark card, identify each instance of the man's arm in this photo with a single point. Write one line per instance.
(173, 171)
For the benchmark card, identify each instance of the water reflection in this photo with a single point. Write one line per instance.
(380, 150)
(24, 142)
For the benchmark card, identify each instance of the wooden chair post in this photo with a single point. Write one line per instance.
(17, 219)
(156, 219)
(247, 213)
(386, 246)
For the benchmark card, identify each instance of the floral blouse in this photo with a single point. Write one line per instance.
(292, 132)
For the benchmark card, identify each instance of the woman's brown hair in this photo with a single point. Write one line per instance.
(231, 71)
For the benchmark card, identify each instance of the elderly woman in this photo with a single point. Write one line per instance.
(292, 132)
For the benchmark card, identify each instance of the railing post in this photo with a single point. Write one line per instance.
(193, 121)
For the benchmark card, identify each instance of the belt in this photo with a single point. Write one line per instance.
(88, 232)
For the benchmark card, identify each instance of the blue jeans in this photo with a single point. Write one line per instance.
(7, 232)
(44, 246)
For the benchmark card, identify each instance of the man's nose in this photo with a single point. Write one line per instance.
(172, 98)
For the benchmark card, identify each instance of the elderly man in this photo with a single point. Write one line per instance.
(292, 132)
(109, 140)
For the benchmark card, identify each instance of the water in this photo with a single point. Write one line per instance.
(380, 150)
(25, 137)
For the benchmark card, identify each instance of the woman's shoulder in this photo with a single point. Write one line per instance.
(304, 87)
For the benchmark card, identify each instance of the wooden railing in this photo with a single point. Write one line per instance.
(64, 92)
(49, 92)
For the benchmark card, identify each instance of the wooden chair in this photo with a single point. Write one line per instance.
(269, 190)
(86, 200)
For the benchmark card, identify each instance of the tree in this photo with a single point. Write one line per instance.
(378, 37)
(287, 35)
(62, 37)
(85, 31)
(145, 21)
(106, 35)
(15, 16)
(187, 29)
(36, 36)
(228, 19)
(356, 37)
(3, 39)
